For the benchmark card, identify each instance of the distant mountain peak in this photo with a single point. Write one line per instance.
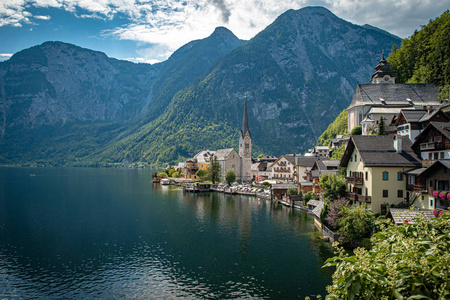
(223, 32)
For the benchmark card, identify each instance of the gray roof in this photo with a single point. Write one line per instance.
(282, 186)
(290, 158)
(316, 211)
(305, 161)
(313, 202)
(379, 151)
(416, 172)
(223, 153)
(395, 94)
(413, 115)
(399, 215)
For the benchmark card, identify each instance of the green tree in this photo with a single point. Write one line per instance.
(292, 191)
(333, 186)
(162, 174)
(357, 130)
(408, 261)
(201, 174)
(230, 176)
(381, 127)
(309, 196)
(424, 57)
(355, 223)
(175, 174)
(213, 172)
(337, 154)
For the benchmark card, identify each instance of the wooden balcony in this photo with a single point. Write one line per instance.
(357, 197)
(431, 146)
(354, 180)
(362, 198)
(420, 188)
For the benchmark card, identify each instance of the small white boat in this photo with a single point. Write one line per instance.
(165, 181)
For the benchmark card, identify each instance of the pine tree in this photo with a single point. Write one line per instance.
(381, 130)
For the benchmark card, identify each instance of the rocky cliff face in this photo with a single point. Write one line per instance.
(57, 82)
(296, 75)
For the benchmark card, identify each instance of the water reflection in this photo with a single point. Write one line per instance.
(77, 233)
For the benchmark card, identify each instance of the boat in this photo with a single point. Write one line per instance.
(165, 181)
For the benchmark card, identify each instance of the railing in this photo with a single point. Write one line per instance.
(419, 188)
(354, 180)
(431, 146)
(358, 197)
(362, 198)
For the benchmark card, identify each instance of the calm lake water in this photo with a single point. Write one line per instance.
(110, 233)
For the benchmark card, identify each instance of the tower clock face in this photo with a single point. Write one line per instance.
(386, 78)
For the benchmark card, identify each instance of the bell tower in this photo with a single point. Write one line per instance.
(245, 148)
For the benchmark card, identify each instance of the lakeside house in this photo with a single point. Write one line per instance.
(375, 167)
(284, 168)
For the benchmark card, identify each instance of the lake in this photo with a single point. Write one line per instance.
(111, 233)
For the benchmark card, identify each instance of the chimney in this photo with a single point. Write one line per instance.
(398, 144)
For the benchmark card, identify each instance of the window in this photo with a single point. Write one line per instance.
(431, 183)
(385, 193)
(431, 203)
(356, 157)
(367, 175)
(441, 154)
(411, 179)
(385, 175)
(400, 194)
(399, 176)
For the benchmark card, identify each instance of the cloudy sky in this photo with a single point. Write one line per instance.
(150, 30)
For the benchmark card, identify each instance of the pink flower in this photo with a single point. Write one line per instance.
(435, 194)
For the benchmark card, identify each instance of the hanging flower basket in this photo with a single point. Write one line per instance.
(435, 193)
(448, 196)
(443, 195)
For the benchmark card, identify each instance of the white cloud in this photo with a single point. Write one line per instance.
(5, 56)
(42, 17)
(162, 26)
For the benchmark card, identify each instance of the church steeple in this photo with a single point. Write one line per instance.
(383, 73)
(245, 121)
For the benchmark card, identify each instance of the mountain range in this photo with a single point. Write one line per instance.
(64, 105)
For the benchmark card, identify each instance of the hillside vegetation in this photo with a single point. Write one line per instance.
(425, 56)
(339, 126)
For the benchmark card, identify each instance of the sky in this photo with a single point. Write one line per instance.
(150, 31)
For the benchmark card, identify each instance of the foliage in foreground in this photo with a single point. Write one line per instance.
(405, 262)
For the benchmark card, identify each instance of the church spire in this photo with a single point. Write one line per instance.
(245, 120)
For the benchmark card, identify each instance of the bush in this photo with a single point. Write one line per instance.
(355, 223)
(356, 130)
(162, 174)
(230, 177)
(292, 191)
(408, 261)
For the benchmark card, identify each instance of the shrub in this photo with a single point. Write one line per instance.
(408, 261)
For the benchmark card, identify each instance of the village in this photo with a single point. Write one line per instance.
(400, 173)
